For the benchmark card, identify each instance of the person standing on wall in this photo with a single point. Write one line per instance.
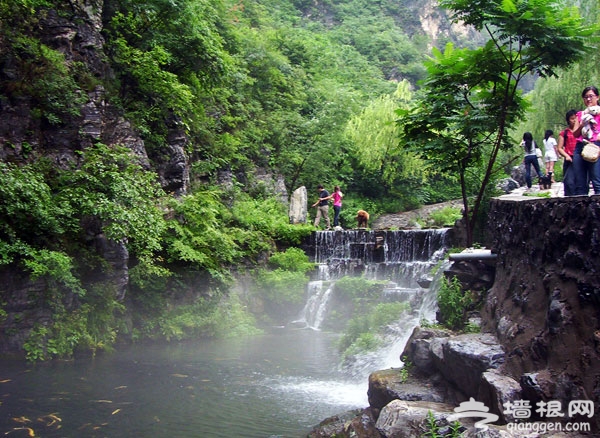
(550, 153)
(530, 158)
(566, 149)
(337, 196)
(322, 206)
(586, 171)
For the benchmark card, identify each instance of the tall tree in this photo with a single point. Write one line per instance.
(553, 97)
(471, 96)
(375, 147)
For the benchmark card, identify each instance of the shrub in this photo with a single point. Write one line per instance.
(445, 216)
(364, 331)
(267, 217)
(358, 288)
(227, 318)
(453, 304)
(293, 259)
(282, 287)
(50, 82)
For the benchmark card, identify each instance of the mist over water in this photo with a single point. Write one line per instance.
(279, 384)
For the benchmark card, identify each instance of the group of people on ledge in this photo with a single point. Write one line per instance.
(582, 131)
(323, 206)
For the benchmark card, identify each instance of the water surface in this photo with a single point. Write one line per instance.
(276, 385)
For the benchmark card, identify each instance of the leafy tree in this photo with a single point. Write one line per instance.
(471, 96)
(110, 187)
(374, 137)
(552, 97)
(33, 223)
(168, 56)
(197, 238)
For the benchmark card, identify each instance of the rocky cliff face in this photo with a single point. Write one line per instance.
(544, 304)
(25, 137)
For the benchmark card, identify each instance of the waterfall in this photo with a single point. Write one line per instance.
(400, 331)
(314, 310)
(404, 259)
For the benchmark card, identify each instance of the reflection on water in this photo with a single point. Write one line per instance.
(276, 385)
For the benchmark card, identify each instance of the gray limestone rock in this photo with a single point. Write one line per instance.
(298, 211)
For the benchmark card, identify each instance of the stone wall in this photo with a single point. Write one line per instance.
(545, 301)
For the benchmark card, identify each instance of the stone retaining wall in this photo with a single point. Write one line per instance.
(544, 306)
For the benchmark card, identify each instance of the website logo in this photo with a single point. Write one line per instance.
(474, 408)
(521, 411)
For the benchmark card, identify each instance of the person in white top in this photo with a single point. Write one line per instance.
(528, 144)
(551, 154)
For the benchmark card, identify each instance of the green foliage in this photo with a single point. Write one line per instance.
(352, 296)
(293, 259)
(197, 237)
(445, 216)
(471, 328)
(456, 429)
(34, 346)
(358, 288)
(433, 430)
(365, 329)
(56, 267)
(161, 70)
(282, 287)
(286, 283)
(538, 194)
(112, 188)
(429, 324)
(288, 234)
(207, 235)
(552, 97)
(261, 85)
(453, 304)
(352, 203)
(374, 135)
(204, 318)
(33, 220)
(266, 217)
(43, 211)
(46, 78)
(31, 215)
(405, 370)
(91, 326)
(404, 373)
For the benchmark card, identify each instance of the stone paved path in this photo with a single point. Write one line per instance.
(556, 191)
(407, 219)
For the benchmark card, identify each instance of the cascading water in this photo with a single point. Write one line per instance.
(405, 259)
(316, 305)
